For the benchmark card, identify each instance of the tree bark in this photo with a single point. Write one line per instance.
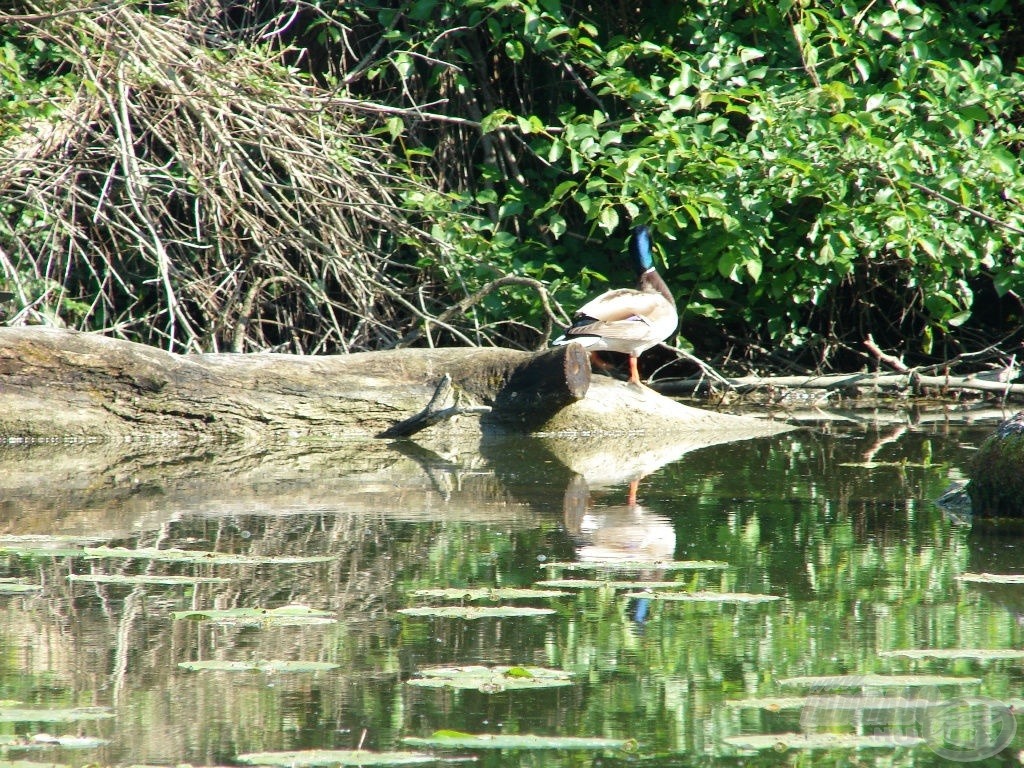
(58, 384)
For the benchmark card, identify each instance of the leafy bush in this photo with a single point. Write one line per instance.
(814, 172)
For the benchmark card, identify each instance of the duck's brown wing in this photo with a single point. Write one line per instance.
(622, 304)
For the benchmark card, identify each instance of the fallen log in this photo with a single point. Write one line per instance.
(839, 382)
(66, 385)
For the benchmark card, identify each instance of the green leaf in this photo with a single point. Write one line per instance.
(608, 219)
(515, 50)
(496, 120)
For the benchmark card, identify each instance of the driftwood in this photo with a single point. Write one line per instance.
(57, 384)
(889, 382)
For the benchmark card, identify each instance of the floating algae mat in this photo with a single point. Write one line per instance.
(992, 578)
(318, 757)
(980, 654)
(15, 587)
(457, 740)
(609, 584)
(286, 616)
(475, 612)
(18, 715)
(641, 565)
(46, 546)
(273, 666)
(876, 681)
(44, 740)
(780, 742)
(488, 593)
(833, 702)
(491, 679)
(190, 556)
(143, 579)
(706, 597)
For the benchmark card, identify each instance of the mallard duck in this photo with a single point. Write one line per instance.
(625, 319)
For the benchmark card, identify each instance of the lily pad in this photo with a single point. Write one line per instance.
(981, 654)
(30, 551)
(475, 612)
(316, 757)
(137, 579)
(17, 715)
(457, 740)
(210, 558)
(488, 593)
(286, 616)
(33, 541)
(273, 666)
(641, 565)
(880, 464)
(832, 702)
(876, 681)
(706, 597)
(609, 584)
(992, 578)
(15, 587)
(780, 742)
(491, 679)
(42, 740)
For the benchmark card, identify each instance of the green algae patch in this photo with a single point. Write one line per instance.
(783, 742)
(491, 679)
(474, 611)
(17, 587)
(144, 579)
(977, 654)
(330, 757)
(832, 702)
(269, 666)
(706, 597)
(458, 740)
(20, 715)
(876, 681)
(481, 594)
(996, 474)
(44, 740)
(641, 565)
(286, 616)
(34, 542)
(991, 578)
(609, 584)
(193, 556)
(22, 550)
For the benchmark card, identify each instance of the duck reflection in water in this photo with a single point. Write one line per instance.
(617, 533)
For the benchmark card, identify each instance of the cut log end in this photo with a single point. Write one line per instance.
(577, 370)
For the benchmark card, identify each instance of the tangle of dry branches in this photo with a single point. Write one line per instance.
(208, 198)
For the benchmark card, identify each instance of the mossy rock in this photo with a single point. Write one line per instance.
(997, 473)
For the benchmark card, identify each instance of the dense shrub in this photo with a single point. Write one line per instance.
(814, 172)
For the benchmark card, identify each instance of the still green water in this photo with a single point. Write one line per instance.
(835, 522)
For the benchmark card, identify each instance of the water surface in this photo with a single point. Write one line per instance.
(835, 521)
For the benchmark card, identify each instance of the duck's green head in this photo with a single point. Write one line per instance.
(640, 249)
